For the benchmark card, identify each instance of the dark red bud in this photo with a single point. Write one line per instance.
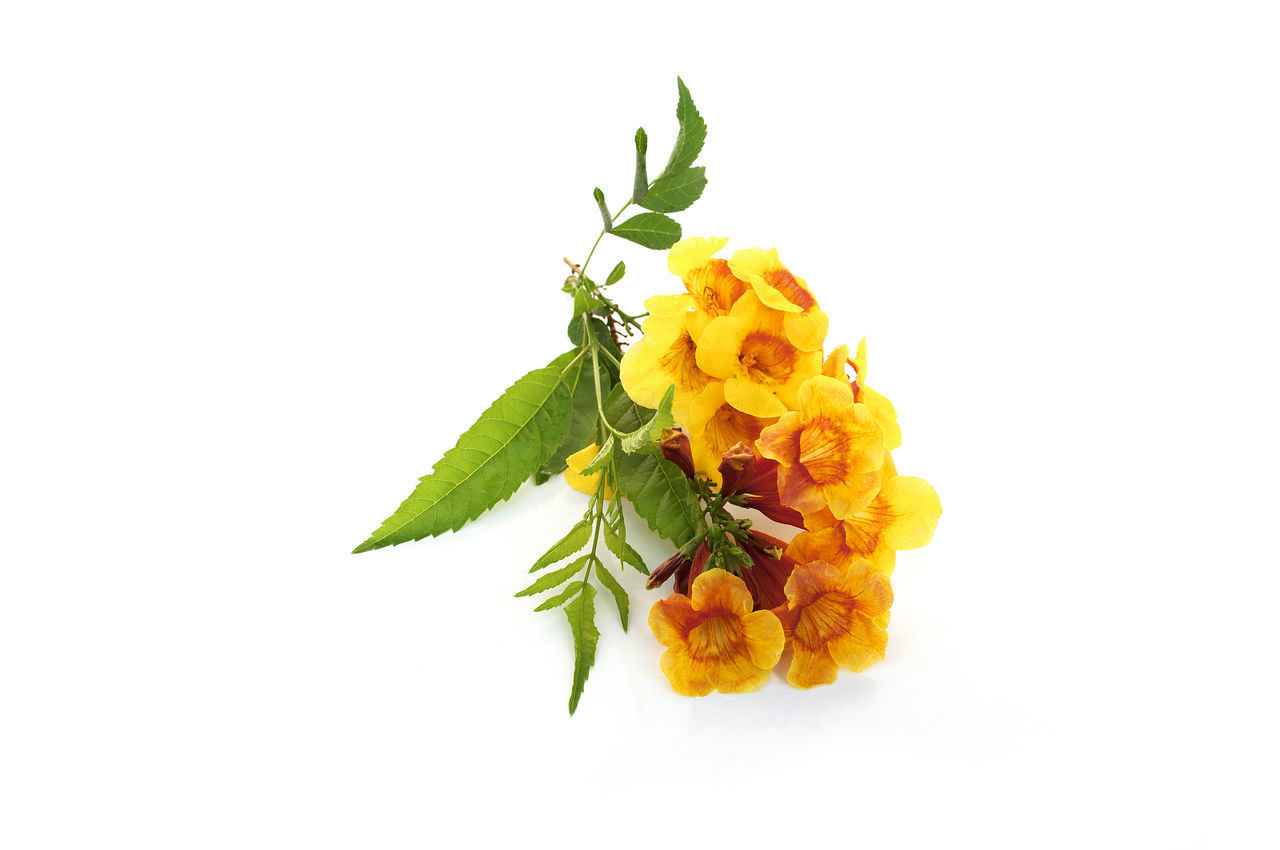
(675, 448)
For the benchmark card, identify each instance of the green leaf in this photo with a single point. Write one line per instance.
(584, 303)
(562, 597)
(652, 430)
(507, 444)
(619, 593)
(677, 192)
(656, 487)
(582, 424)
(565, 546)
(652, 230)
(693, 132)
(616, 275)
(622, 550)
(555, 579)
(581, 613)
(602, 457)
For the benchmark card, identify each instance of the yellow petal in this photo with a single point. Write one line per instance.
(752, 399)
(915, 507)
(694, 252)
(719, 344)
(584, 483)
(812, 667)
(862, 645)
(765, 640)
(668, 305)
(688, 677)
(808, 330)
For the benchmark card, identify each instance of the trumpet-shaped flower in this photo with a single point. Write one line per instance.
(881, 408)
(665, 355)
(833, 619)
(585, 483)
(903, 515)
(714, 640)
(830, 450)
(715, 426)
(750, 351)
(778, 288)
(712, 286)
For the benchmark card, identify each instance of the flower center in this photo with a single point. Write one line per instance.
(823, 620)
(824, 451)
(716, 637)
(767, 359)
(681, 363)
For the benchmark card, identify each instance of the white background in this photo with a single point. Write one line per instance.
(261, 262)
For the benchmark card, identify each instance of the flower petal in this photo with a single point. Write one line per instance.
(764, 637)
(753, 399)
(694, 252)
(717, 592)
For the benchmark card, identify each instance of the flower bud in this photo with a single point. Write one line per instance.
(675, 448)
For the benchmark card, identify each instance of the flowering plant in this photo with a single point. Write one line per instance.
(715, 407)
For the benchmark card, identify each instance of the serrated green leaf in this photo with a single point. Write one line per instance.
(582, 421)
(692, 135)
(602, 457)
(652, 230)
(507, 444)
(650, 431)
(540, 477)
(565, 546)
(676, 192)
(656, 488)
(581, 613)
(616, 275)
(560, 598)
(555, 579)
(619, 593)
(622, 550)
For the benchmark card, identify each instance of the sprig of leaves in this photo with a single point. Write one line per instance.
(577, 400)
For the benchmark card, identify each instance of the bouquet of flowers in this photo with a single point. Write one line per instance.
(719, 405)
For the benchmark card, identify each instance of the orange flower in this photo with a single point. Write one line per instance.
(832, 620)
(831, 450)
(714, 641)
(834, 366)
(903, 515)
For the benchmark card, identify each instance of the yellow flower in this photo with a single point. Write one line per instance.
(585, 483)
(830, 450)
(665, 355)
(761, 368)
(712, 286)
(715, 426)
(833, 619)
(880, 407)
(779, 289)
(714, 641)
(903, 515)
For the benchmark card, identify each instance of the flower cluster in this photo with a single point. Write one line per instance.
(773, 425)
